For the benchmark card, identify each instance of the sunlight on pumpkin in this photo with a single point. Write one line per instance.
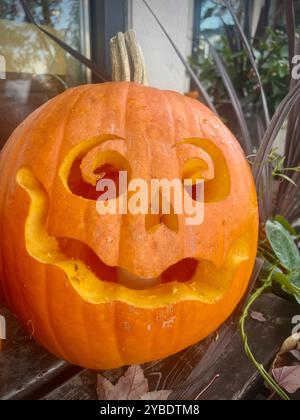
(85, 171)
(216, 187)
(88, 168)
(208, 284)
(91, 172)
(196, 169)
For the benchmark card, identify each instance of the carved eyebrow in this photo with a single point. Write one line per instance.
(218, 188)
(79, 151)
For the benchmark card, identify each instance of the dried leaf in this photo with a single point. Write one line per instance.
(285, 356)
(290, 344)
(296, 354)
(156, 395)
(131, 386)
(105, 389)
(257, 316)
(288, 377)
(286, 367)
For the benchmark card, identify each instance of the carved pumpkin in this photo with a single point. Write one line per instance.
(61, 262)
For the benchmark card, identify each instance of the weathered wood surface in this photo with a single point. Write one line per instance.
(26, 370)
(29, 372)
(238, 379)
(163, 374)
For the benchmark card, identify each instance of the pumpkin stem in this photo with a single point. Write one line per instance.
(127, 59)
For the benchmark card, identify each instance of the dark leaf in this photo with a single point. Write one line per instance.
(251, 58)
(290, 24)
(247, 144)
(273, 129)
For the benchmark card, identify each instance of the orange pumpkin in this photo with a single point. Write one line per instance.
(60, 262)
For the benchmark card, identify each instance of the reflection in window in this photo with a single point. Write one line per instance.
(37, 69)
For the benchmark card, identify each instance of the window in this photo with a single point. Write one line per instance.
(37, 68)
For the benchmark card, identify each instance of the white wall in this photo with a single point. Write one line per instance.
(165, 70)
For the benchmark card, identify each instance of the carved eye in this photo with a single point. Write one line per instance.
(86, 172)
(213, 170)
(196, 170)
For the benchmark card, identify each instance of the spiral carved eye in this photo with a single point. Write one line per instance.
(98, 164)
(206, 163)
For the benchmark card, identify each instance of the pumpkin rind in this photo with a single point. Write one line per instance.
(153, 127)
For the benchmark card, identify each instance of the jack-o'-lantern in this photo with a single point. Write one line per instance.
(102, 291)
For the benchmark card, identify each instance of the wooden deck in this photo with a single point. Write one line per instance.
(29, 372)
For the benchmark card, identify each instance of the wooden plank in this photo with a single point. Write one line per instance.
(27, 370)
(162, 374)
(238, 378)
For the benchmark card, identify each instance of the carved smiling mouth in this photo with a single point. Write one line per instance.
(187, 280)
(182, 271)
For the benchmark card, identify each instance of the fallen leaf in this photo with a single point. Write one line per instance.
(286, 368)
(290, 343)
(258, 316)
(105, 389)
(131, 386)
(156, 395)
(286, 356)
(288, 377)
(296, 354)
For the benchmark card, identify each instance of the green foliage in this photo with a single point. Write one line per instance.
(279, 171)
(282, 257)
(281, 267)
(283, 245)
(260, 368)
(271, 55)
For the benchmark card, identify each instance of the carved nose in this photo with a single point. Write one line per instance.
(165, 216)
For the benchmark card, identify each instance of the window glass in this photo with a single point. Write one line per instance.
(36, 67)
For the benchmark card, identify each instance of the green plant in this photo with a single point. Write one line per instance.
(243, 74)
(281, 255)
(265, 375)
(271, 56)
(281, 268)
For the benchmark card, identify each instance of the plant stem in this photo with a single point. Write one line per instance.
(269, 380)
